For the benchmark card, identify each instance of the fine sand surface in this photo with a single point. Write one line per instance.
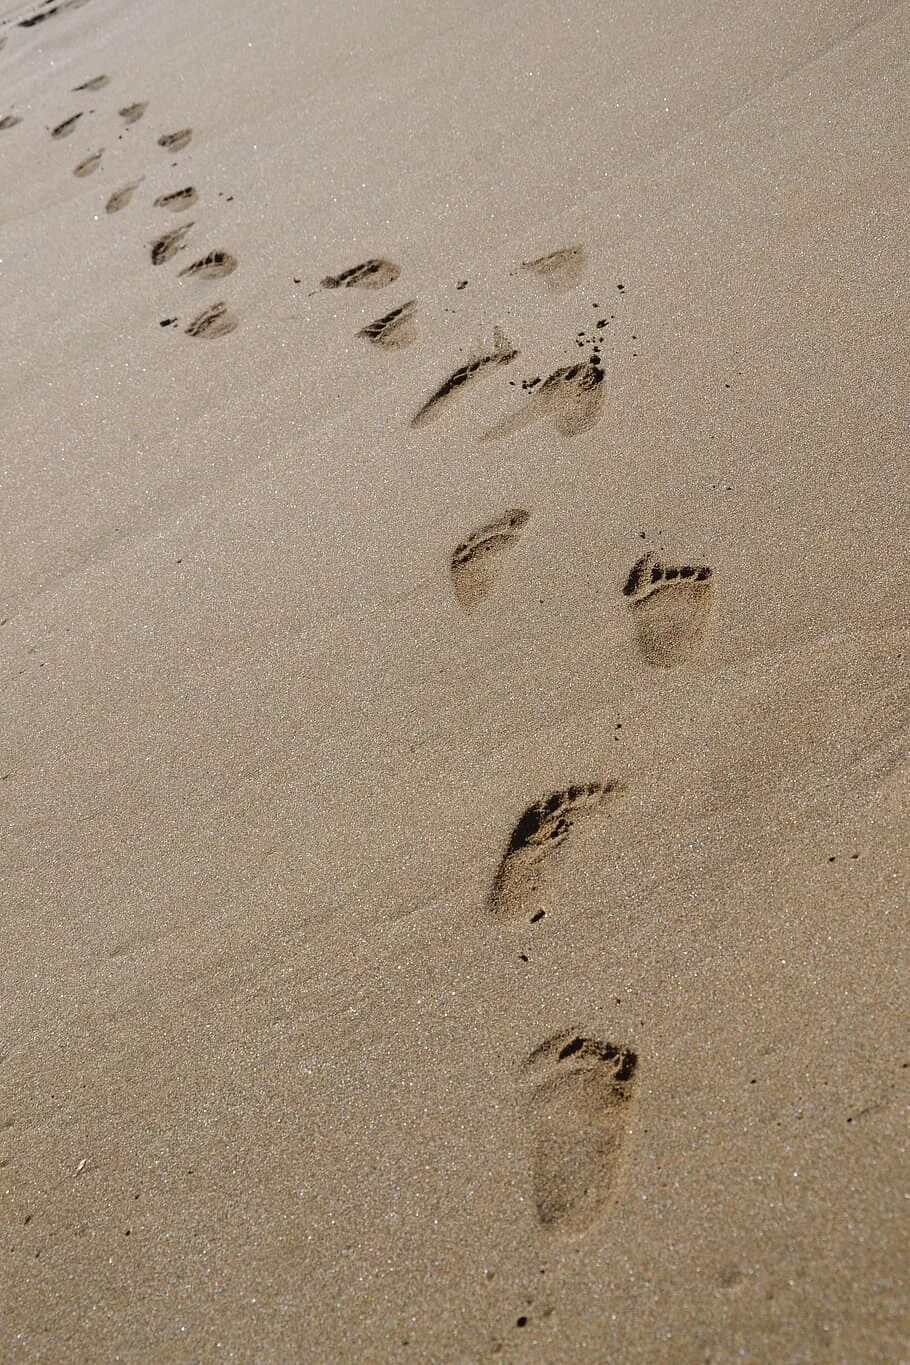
(454, 732)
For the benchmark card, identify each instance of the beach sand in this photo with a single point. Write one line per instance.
(454, 746)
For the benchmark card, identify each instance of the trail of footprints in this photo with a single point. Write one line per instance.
(207, 319)
(577, 1092)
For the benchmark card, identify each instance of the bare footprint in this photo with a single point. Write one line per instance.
(578, 1107)
(215, 321)
(373, 274)
(175, 142)
(672, 608)
(96, 83)
(559, 270)
(91, 163)
(571, 398)
(9, 121)
(213, 266)
(394, 330)
(520, 885)
(131, 113)
(66, 127)
(503, 353)
(475, 561)
(166, 246)
(177, 200)
(120, 198)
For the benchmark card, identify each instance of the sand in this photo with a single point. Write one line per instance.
(454, 852)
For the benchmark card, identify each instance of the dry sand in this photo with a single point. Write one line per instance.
(415, 947)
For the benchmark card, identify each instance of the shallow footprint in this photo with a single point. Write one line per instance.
(175, 142)
(372, 274)
(519, 887)
(66, 127)
(503, 353)
(120, 198)
(395, 330)
(578, 1109)
(672, 608)
(132, 112)
(215, 321)
(91, 163)
(559, 270)
(96, 83)
(571, 398)
(476, 560)
(213, 266)
(177, 200)
(169, 244)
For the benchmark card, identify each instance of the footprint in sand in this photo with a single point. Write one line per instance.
(9, 121)
(215, 321)
(177, 200)
(132, 112)
(120, 198)
(475, 562)
(373, 274)
(503, 353)
(212, 267)
(578, 1106)
(559, 270)
(91, 163)
(571, 398)
(96, 83)
(66, 127)
(395, 330)
(169, 244)
(519, 891)
(175, 142)
(672, 607)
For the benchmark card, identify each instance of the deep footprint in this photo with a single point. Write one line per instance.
(372, 274)
(175, 142)
(120, 198)
(394, 330)
(91, 163)
(177, 200)
(213, 266)
(559, 270)
(519, 891)
(169, 244)
(578, 1109)
(66, 127)
(502, 354)
(215, 321)
(672, 607)
(9, 121)
(475, 562)
(133, 112)
(571, 398)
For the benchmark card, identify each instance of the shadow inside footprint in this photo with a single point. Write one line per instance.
(475, 561)
(175, 142)
(571, 398)
(177, 200)
(9, 121)
(120, 198)
(581, 1097)
(215, 321)
(212, 267)
(131, 113)
(169, 244)
(672, 608)
(66, 127)
(96, 83)
(559, 270)
(518, 893)
(503, 353)
(90, 164)
(394, 330)
(372, 274)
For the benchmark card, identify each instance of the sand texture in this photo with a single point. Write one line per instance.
(454, 641)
